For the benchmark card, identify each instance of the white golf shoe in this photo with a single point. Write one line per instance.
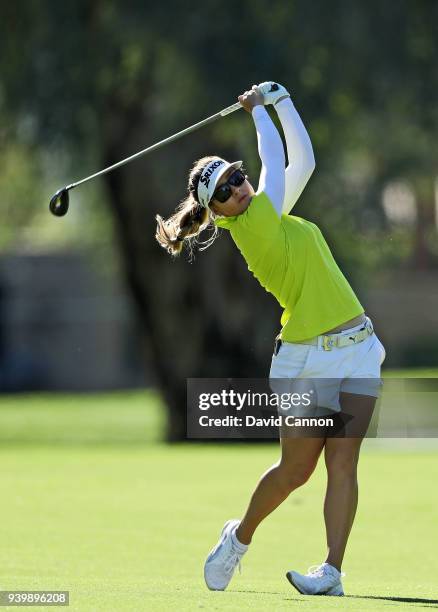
(320, 580)
(223, 559)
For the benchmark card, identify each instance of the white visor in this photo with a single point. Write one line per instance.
(210, 177)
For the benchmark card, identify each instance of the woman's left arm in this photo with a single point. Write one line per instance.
(301, 161)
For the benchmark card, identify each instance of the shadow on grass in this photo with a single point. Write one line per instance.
(409, 600)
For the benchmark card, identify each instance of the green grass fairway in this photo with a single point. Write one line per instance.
(123, 524)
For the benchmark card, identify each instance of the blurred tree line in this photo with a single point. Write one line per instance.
(86, 83)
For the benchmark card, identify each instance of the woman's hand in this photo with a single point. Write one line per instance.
(251, 98)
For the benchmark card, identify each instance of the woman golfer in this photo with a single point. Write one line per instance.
(325, 332)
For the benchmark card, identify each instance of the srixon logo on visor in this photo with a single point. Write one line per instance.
(205, 178)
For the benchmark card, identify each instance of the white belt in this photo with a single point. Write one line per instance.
(340, 339)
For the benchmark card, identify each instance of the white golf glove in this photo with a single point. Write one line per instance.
(272, 91)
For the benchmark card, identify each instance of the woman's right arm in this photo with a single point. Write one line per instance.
(271, 151)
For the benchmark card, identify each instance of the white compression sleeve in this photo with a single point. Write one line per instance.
(301, 161)
(272, 156)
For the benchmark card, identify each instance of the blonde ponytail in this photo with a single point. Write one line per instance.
(187, 222)
(189, 219)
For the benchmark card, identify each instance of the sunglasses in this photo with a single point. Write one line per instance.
(224, 192)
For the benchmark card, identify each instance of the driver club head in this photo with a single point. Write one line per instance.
(59, 203)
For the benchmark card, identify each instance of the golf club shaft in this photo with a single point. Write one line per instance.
(192, 128)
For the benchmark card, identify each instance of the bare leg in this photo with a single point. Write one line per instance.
(299, 457)
(341, 458)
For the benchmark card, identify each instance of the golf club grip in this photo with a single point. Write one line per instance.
(230, 109)
(154, 147)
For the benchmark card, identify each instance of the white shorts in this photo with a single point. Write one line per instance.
(352, 369)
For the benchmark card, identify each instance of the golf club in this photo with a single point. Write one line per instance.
(60, 200)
